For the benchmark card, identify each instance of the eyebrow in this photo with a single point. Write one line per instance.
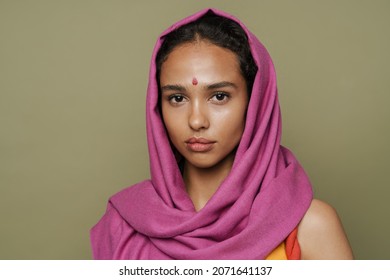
(173, 88)
(209, 87)
(221, 85)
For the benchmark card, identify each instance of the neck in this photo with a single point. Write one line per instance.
(202, 183)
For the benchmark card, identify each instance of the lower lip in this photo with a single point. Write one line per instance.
(200, 147)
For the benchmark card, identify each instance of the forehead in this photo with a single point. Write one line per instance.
(199, 59)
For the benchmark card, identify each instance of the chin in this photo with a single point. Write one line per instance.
(201, 164)
(207, 162)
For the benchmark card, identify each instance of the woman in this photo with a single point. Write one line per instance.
(221, 185)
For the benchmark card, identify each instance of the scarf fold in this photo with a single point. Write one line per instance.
(256, 207)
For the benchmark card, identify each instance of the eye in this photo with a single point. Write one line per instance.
(176, 98)
(220, 97)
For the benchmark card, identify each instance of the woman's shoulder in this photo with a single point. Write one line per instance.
(321, 234)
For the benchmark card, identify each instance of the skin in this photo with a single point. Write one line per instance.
(321, 235)
(214, 108)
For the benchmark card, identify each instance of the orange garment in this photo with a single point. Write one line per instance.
(287, 250)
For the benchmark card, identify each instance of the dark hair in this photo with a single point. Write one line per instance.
(220, 31)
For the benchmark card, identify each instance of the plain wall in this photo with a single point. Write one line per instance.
(73, 77)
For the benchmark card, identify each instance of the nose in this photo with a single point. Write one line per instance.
(198, 118)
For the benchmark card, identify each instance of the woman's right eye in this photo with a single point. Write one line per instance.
(176, 98)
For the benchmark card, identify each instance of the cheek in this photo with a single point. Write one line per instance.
(173, 123)
(233, 128)
(230, 119)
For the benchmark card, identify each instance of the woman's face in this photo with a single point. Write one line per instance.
(204, 101)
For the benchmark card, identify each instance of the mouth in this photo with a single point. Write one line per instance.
(200, 145)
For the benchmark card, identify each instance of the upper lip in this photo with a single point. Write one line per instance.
(200, 140)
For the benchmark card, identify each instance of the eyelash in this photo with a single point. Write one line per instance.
(173, 98)
(219, 94)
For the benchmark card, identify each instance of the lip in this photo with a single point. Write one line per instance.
(200, 145)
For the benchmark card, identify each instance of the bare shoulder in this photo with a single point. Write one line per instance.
(321, 234)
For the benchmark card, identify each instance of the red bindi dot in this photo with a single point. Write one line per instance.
(194, 81)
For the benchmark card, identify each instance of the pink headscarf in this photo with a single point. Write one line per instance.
(260, 202)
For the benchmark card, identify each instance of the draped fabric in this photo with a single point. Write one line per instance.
(255, 208)
(287, 250)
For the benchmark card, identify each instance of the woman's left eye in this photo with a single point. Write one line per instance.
(220, 97)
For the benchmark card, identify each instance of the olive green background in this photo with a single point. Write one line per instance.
(73, 77)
